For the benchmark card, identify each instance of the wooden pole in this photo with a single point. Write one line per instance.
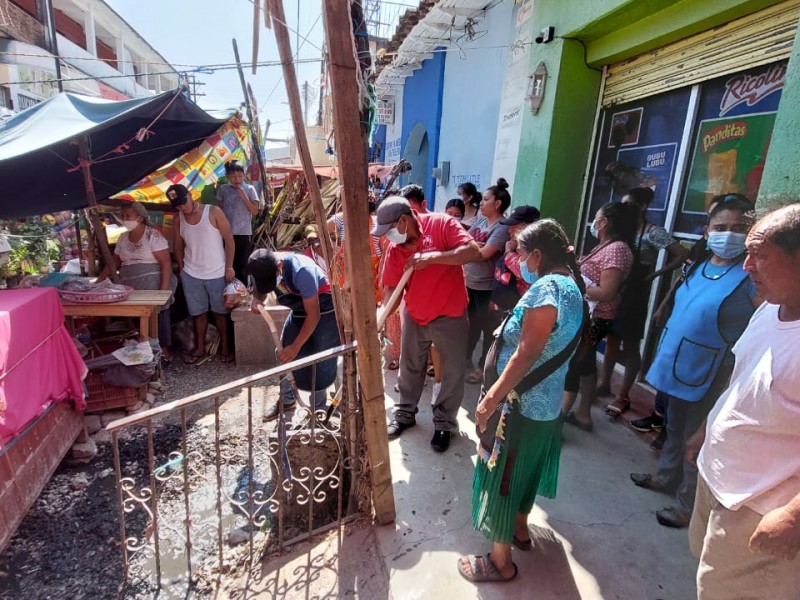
(293, 92)
(351, 148)
(251, 118)
(256, 29)
(92, 211)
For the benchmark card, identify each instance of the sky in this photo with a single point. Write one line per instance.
(199, 32)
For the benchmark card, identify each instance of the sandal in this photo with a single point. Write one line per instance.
(618, 406)
(191, 359)
(573, 420)
(482, 569)
(431, 371)
(393, 365)
(226, 358)
(524, 545)
(475, 376)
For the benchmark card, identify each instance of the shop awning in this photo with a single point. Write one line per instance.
(39, 161)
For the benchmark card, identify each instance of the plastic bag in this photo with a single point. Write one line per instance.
(235, 294)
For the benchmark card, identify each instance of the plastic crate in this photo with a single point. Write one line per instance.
(103, 397)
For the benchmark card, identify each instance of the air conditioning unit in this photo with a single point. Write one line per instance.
(442, 173)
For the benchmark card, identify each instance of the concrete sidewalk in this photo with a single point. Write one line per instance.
(598, 539)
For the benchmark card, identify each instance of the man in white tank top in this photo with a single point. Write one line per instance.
(204, 248)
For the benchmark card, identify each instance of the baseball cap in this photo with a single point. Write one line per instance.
(522, 214)
(311, 232)
(389, 211)
(263, 268)
(178, 195)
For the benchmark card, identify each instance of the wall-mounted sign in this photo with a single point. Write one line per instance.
(384, 112)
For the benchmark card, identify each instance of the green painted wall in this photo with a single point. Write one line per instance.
(781, 180)
(555, 144)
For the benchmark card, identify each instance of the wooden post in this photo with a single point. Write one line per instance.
(293, 92)
(92, 211)
(251, 117)
(353, 173)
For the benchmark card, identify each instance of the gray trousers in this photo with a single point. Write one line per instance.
(683, 420)
(449, 335)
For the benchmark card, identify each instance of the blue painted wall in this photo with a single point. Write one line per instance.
(473, 82)
(422, 103)
(377, 151)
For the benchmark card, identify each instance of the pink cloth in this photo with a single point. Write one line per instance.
(39, 363)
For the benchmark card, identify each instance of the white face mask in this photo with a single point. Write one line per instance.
(130, 225)
(394, 236)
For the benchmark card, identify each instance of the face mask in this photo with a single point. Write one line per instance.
(527, 276)
(726, 244)
(593, 230)
(130, 225)
(394, 236)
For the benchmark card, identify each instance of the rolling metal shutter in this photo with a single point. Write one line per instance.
(758, 39)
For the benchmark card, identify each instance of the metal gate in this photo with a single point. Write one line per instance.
(204, 484)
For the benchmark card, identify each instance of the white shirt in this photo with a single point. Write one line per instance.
(141, 252)
(751, 456)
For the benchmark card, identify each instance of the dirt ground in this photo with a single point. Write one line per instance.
(67, 546)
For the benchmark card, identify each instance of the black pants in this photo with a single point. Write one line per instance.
(479, 322)
(241, 253)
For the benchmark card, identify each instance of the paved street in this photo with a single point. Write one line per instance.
(598, 539)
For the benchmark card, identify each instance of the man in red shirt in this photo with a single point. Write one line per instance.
(436, 247)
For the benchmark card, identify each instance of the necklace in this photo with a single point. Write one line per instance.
(718, 275)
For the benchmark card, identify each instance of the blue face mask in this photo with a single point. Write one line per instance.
(527, 276)
(593, 230)
(726, 244)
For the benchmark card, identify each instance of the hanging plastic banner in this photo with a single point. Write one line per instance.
(200, 168)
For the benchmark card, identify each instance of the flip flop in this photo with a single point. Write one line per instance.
(487, 571)
(191, 359)
(618, 406)
(226, 358)
(524, 545)
(393, 365)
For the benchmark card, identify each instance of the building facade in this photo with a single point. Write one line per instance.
(691, 99)
(101, 54)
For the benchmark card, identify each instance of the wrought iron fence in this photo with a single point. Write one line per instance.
(205, 485)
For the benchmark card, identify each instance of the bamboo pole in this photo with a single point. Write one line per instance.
(353, 173)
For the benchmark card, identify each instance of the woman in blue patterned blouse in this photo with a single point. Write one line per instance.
(523, 462)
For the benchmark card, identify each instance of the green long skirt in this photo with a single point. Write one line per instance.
(534, 473)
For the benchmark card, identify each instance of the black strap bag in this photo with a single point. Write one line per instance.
(535, 377)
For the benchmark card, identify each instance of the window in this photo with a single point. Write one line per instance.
(5, 97)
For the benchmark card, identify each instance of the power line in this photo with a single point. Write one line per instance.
(296, 60)
(202, 70)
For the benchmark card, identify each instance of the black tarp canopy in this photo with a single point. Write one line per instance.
(127, 140)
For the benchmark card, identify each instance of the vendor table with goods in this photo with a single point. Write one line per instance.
(143, 304)
(39, 363)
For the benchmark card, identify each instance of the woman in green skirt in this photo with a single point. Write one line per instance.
(521, 461)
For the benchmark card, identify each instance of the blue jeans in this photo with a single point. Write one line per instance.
(317, 378)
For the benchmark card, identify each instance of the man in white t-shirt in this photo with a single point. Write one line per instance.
(746, 523)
